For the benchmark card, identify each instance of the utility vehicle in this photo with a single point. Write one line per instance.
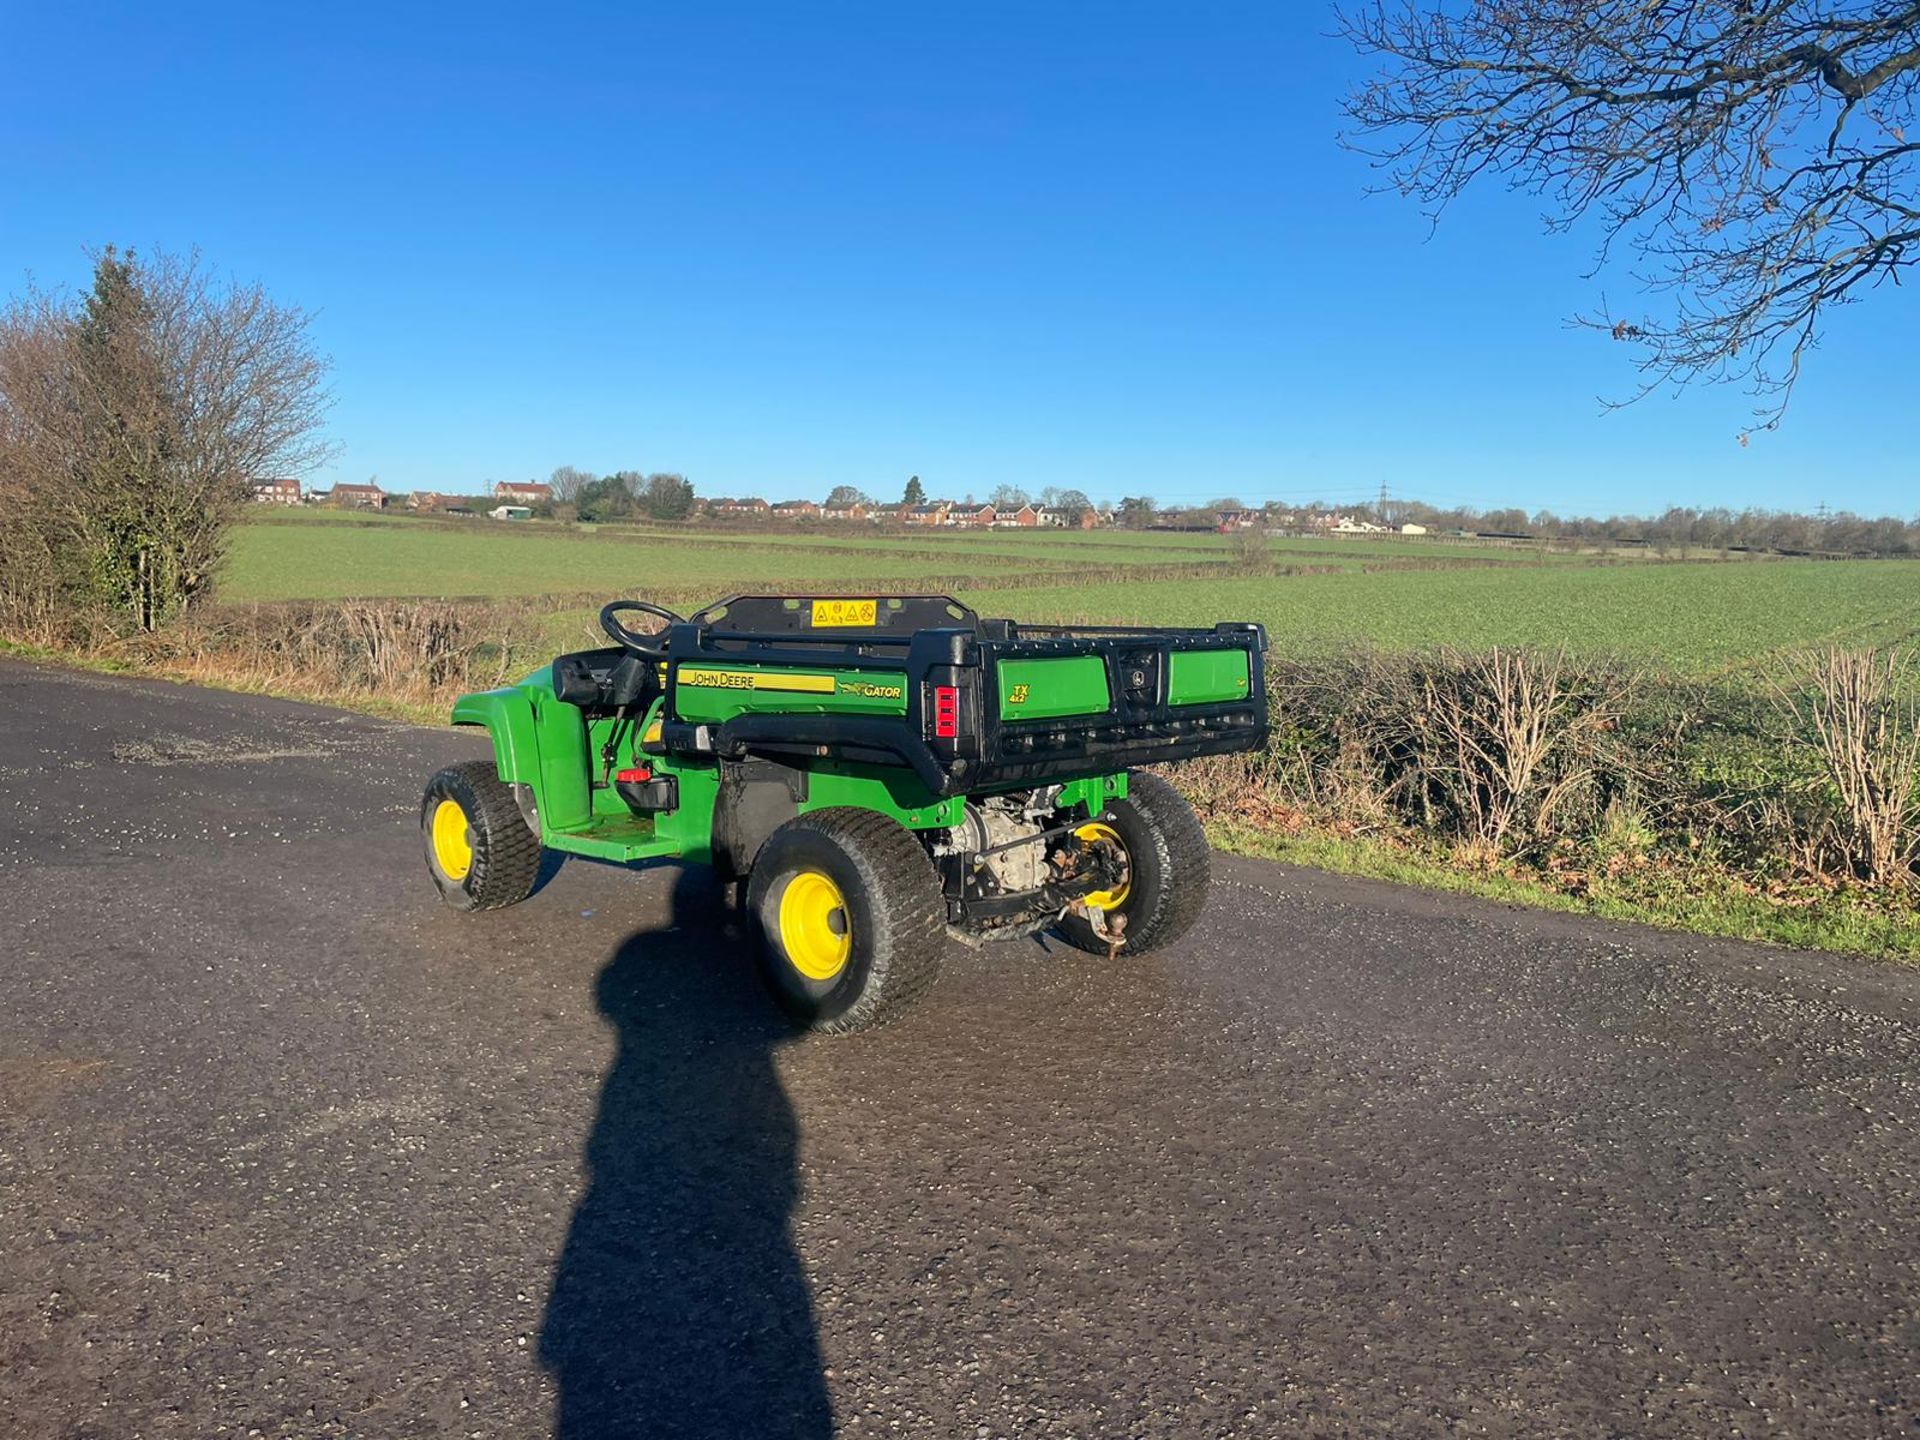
(874, 775)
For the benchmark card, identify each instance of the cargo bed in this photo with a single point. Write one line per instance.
(967, 704)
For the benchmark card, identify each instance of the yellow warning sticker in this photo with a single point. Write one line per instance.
(785, 680)
(845, 612)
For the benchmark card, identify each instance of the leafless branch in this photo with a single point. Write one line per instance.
(1753, 152)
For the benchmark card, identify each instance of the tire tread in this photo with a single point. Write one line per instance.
(1181, 856)
(906, 891)
(506, 857)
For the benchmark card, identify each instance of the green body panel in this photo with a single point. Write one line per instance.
(890, 789)
(1198, 677)
(690, 827)
(565, 792)
(785, 690)
(1045, 689)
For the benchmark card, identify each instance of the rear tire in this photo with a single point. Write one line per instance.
(480, 851)
(1169, 869)
(851, 916)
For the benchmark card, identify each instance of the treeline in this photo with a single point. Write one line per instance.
(1717, 528)
(1675, 529)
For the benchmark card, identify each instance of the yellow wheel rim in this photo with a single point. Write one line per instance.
(452, 840)
(814, 930)
(1108, 899)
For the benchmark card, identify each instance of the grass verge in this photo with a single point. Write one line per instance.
(1705, 905)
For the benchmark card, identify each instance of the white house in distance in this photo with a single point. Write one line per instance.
(277, 492)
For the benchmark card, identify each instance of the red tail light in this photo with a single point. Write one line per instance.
(639, 775)
(946, 712)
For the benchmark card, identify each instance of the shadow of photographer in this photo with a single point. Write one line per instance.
(679, 1307)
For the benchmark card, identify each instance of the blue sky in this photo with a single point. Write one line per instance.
(782, 247)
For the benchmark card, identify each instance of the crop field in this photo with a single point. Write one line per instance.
(1698, 616)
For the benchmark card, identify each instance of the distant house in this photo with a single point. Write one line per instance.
(751, 505)
(277, 492)
(855, 511)
(935, 513)
(1346, 525)
(365, 497)
(796, 510)
(1056, 518)
(523, 492)
(1026, 517)
(1412, 529)
(427, 501)
(972, 516)
(510, 512)
(1239, 519)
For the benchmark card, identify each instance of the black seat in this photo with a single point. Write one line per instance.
(603, 681)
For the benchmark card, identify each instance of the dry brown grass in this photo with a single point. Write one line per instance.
(406, 652)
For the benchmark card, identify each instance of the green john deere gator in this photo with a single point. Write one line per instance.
(876, 776)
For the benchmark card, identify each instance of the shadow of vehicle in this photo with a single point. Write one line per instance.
(679, 1307)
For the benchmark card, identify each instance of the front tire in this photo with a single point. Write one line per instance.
(480, 851)
(852, 918)
(1169, 867)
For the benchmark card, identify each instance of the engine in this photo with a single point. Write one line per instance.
(1003, 834)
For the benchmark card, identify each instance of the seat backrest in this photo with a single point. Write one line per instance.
(584, 677)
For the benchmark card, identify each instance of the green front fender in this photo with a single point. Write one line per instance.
(507, 715)
(538, 741)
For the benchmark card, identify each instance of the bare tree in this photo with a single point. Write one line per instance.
(1754, 153)
(133, 422)
(566, 481)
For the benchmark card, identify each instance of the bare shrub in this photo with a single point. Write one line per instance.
(1490, 748)
(1252, 551)
(1498, 751)
(1859, 712)
(1508, 736)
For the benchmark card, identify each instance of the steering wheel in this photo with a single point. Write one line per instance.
(618, 633)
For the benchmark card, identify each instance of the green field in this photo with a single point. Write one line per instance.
(1696, 615)
(304, 560)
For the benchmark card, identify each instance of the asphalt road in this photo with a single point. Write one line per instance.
(288, 1149)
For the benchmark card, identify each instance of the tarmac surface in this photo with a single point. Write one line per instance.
(289, 1149)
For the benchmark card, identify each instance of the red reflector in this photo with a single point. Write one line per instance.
(640, 774)
(946, 712)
